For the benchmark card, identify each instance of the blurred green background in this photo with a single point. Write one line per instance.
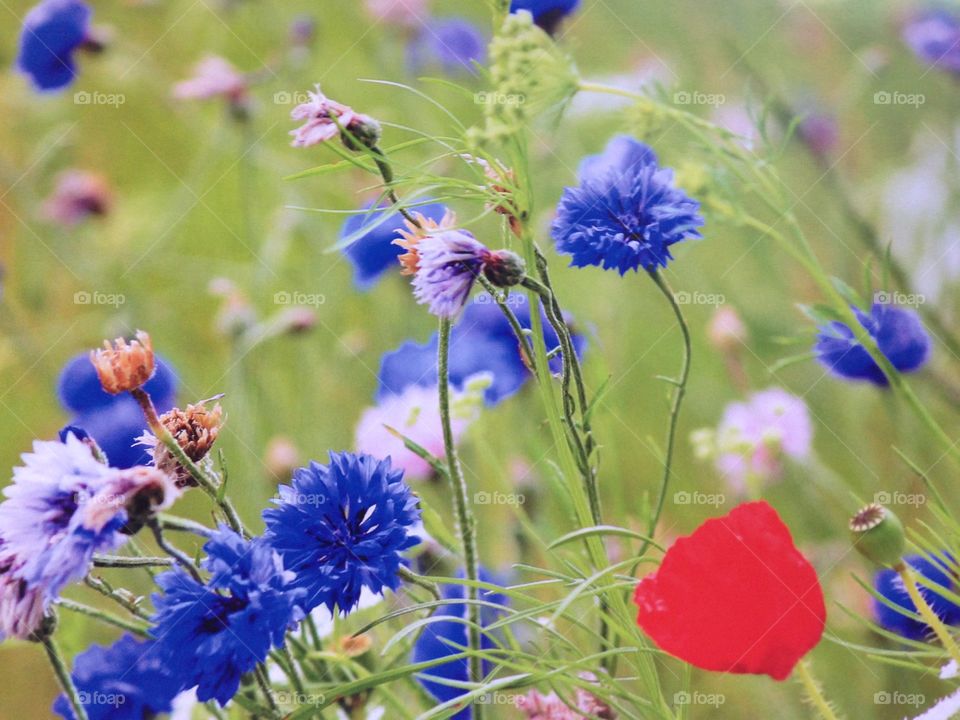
(199, 197)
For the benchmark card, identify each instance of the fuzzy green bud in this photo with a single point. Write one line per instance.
(505, 268)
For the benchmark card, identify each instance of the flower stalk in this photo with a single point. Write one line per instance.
(931, 618)
(63, 676)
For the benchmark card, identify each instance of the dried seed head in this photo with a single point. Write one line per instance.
(123, 366)
(195, 429)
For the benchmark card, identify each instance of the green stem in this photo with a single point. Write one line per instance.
(124, 598)
(414, 579)
(118, 561)
(813, 691)
(103, 616)
(679, 392)
(466, 523)
(502, 301)
(63, 676)
(263, 680)
(386, 172)
(181, 557)
(926, 612)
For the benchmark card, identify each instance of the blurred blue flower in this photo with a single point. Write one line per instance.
(126, 680)
(342, 527)
(374, 253)
(888, 584)
(482, 341)
(546, 13)
(447, 635)
(898, 333)
(114, 421)
(934, 38)
(452, 44)
(51, 32)
(42, 521)
(626, 212)
(213, 633)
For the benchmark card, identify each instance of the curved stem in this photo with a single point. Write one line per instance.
(103, 616)
(461, 507)
(386, 172)
(63, 676)
(679, 392)
(181, 557)
(813, 691)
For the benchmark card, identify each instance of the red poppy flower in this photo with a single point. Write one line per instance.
(735, 596)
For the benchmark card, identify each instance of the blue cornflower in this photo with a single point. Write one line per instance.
(626, 212)
(342, 527)
(546, 13)
(934, 38)
(481, 341)
(454, 45)
(446, 635)
(126, 680)
(52, 31)
(899, 335)
(888, 584)
(215, 632)
(374, 253)
(114, 421)
(50, 521)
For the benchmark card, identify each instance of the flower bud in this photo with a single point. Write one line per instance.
(363, 132)
(504, 268)
(195, 430)
(124, 367)
(878, 535)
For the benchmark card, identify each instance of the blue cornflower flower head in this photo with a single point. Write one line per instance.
(53, 520)
(546, 13)
(888, 584)
(373, 253)
(482, 341)
(217, 631)
(126, 680)
(115, 422)
(52, 32)
(342, 527)
(934, 38)
(626, 211)
(454, 45)
(446, 635)
(444, 262)
(899, 335)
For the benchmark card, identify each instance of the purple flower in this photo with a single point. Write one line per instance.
(546, 13)
(22, 606)
(324, 119)
(52, 32)
(78, 195)
(625, 213)
(400, 12)
(213, 77)
(935, 39)
(444, 263)
(452, 44)
(899, 335)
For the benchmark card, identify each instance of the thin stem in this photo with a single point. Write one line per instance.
(679, 391)
(386, 172)
(291, 669)
(414, 579)
(179, 524)
(181, 557)
(502, 301)
(123, 598)
(263, 680)
(118, 561)
(63, 676)
(103, 616)
(926, 612)
(813, 691)
(466, 523)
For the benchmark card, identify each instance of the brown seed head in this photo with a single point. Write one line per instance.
(124, 366)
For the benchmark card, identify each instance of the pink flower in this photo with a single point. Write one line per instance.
(726, 331)
(324, 118)
(21, 606)
(77, 195)
(537, 706)
(754, 436)
(415, 414)
(213, 77)
(400, 12)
